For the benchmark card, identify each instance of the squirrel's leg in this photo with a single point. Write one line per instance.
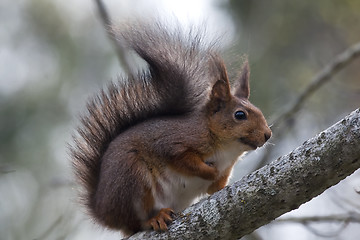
(221, 182)
(192, 164)
(161, 219)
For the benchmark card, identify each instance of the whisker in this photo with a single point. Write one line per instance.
(270, 143)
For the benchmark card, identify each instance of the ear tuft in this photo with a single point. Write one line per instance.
(221, 91)
(243, 88)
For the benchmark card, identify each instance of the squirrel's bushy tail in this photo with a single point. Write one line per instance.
(181, 69)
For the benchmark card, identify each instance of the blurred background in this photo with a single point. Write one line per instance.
(55, 54)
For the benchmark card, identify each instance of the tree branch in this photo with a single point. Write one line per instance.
(323, 76)
(273, 190)
(343, 219)
(120, 51)
(347, 217)
(338, 63)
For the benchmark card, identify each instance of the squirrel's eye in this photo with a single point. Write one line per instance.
(240, 115)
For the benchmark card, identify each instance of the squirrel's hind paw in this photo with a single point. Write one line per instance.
(161, 220)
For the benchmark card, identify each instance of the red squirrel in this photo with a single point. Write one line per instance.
(152, 143)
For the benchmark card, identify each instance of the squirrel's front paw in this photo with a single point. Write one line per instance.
(210, 171)
(210, 164)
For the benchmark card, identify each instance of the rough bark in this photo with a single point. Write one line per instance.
(273, 190)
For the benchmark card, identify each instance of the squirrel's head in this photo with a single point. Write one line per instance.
(232, 118)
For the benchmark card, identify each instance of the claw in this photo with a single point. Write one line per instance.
(161, 220)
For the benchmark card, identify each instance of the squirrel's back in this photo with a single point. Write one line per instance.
(181, 68)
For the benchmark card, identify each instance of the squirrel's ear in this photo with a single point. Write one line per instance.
(243, 88)
(220, 91)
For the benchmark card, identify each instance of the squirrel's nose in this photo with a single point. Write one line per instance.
(267, 136)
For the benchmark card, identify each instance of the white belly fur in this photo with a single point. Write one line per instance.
(180, 191)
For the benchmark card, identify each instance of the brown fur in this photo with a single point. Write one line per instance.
(221, 181)
(165, 120)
